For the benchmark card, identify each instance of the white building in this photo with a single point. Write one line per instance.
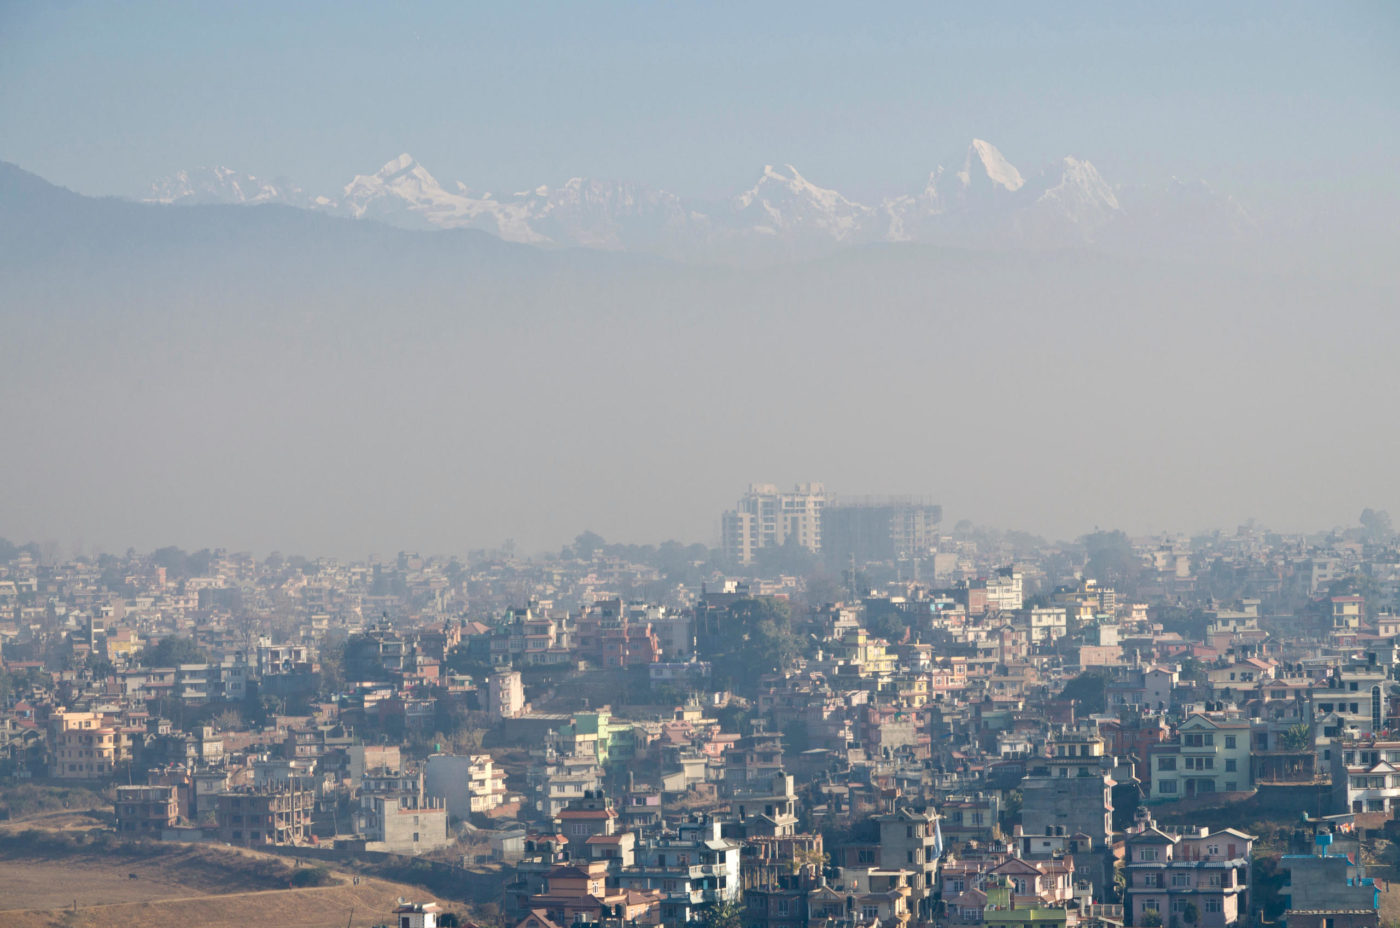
(1366, 775)
(466, 783)
(506, 694)
(767, 518)
(1004, 590)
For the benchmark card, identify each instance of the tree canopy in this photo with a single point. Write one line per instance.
(1111, 558)
(172, 650)
(1089, 691)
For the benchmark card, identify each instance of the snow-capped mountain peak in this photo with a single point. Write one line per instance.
(1081, 187)
(402, 177)
(783, 199)
(984, 160)
(220, 185)
(988, 202)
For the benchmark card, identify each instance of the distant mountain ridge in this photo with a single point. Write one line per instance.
(987, 202)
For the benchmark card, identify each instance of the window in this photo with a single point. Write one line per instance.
(1147, 853)
(1167, 786)
(1166, 763)
(1230, 766)
(1212, 905)
(1229, 742)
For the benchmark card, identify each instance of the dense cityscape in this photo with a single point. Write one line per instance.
(699, 465)
(846, 714)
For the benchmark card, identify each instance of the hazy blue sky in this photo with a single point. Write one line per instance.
(1265, 98)
(233, 384)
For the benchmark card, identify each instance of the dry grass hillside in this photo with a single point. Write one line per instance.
(55, 881)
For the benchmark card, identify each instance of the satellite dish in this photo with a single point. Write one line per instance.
(402, 900)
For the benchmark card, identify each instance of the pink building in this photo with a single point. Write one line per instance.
(1176, 874)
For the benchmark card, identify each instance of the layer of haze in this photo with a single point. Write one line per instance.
(257, 379)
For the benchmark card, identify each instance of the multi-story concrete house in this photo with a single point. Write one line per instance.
(505, 694)
(403, 823)
(912, 841)
(768, 809)
(1209, 755)
(556, 780)
(251, 818)
(146, 810)
(1071, 791)
(970, 818)
(590, 816)
(1366, 775)
(86, 745)
(691, 867)
(1328, 888)
(466, 783)
(1198, 876)
(1044, 623)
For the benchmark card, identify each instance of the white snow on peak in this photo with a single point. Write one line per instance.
(1080, 183)
(221, 185)
(404, 188)
(994, 165)
(988, 200)
(784, 200)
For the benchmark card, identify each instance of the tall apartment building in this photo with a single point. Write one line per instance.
(880, 529)
(768, 518)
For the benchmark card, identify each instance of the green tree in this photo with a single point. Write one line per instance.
(1376, 525)
(723, 915)
(172, 650)
(587, 544)
(1296, 737)
(1088, 691)
(333, 664)
(1111, 558)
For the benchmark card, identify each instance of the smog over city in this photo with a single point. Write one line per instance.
(597, 464)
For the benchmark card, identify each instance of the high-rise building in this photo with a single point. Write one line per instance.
(769, 518)
(880, 529)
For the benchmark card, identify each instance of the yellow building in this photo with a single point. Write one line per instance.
(83, 746)
(864, 655)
